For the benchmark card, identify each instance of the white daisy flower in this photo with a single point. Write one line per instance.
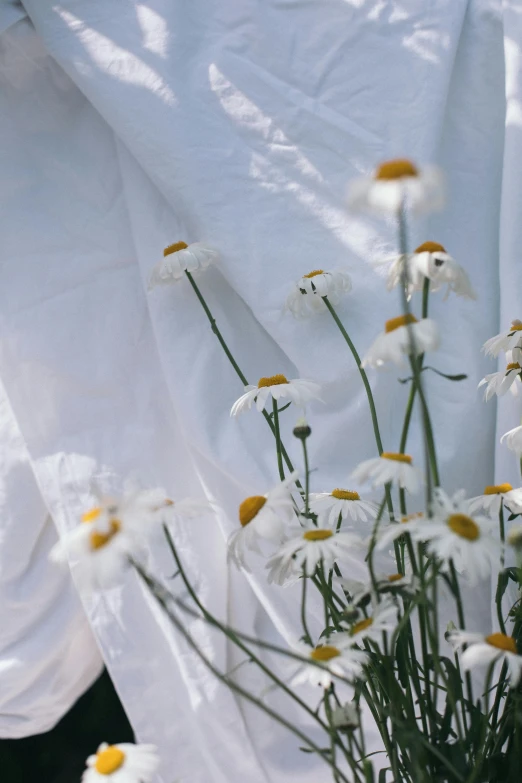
(395, 530)
(500, 382)
(180, 258)
(309, 546)
(390, 466)
(513, 440)
(383, 618)
(430, 260)
(122, 763)
(452, 534)
(298, 391)
(262, 517)
(506, 341)
(492, 499)
(336, 659)
(343, 504)
(306, 296)
(485, 650)
(396, 183)
(394, 344)
(163, 509)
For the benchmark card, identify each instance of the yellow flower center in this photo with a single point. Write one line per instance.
(464, 526)
(345, 494)
(324, 653)
(314, 273)
(109, 760)
(317, 535)
(396, 169)
(362, 625)
(250, 507)
(430, 247)
(395, 577)
(411, 517)
(397, 457)
(515, 327)
(497, 489)
(174, 248)
(273, 380)
(502, 642)
(513, 366)
(401, 320)
(91, 515)
(98, 540)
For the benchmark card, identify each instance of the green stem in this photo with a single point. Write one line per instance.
(369, 394)
(278, 440)
(230, 683)
(304, 623)
(239, 373)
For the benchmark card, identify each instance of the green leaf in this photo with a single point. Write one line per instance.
(458, 377)
(382, 774)
(368, 771)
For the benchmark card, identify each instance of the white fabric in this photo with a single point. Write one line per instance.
(129, 125)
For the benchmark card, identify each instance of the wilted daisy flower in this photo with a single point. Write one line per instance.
(506, 341)
(345, 717)
(298, 391)
(485, 650)
(394, 343)
(390, 466)
(430, 260)
(385, 583)
(122, 763)
(180, 258)
(396, 529)
(452, 534)
(306, 296)
(383, 618)
(336, 658)
(309, 546)
(396, 183)
(513, 440)
(492, 498)
(500, 382)
(342, 503)
(262, 517)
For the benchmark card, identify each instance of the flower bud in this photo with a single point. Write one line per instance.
(302, 430)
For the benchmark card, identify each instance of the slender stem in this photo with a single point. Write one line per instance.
(304, 622)
(230, 683)
(278, 440)
(502, 532)
(369, 393)
(307, 477)
(239, 373)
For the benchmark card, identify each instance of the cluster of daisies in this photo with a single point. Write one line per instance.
(301, 537)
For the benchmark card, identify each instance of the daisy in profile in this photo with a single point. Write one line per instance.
(383, 618)
(342, 504)
(389, 467)
(513, 440)
(309, 546)
(122, 763)
(506, 341)
(406, 584)
(452, 534)
(430, 261)
(395, 343)
(262, 518)
(395, 530)
(306, 296)
(330, 660)
(485, 650)
(298, 391)
(180, 258)
(162, 508)
(397, 183)
(492, 498)
(500, 382)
